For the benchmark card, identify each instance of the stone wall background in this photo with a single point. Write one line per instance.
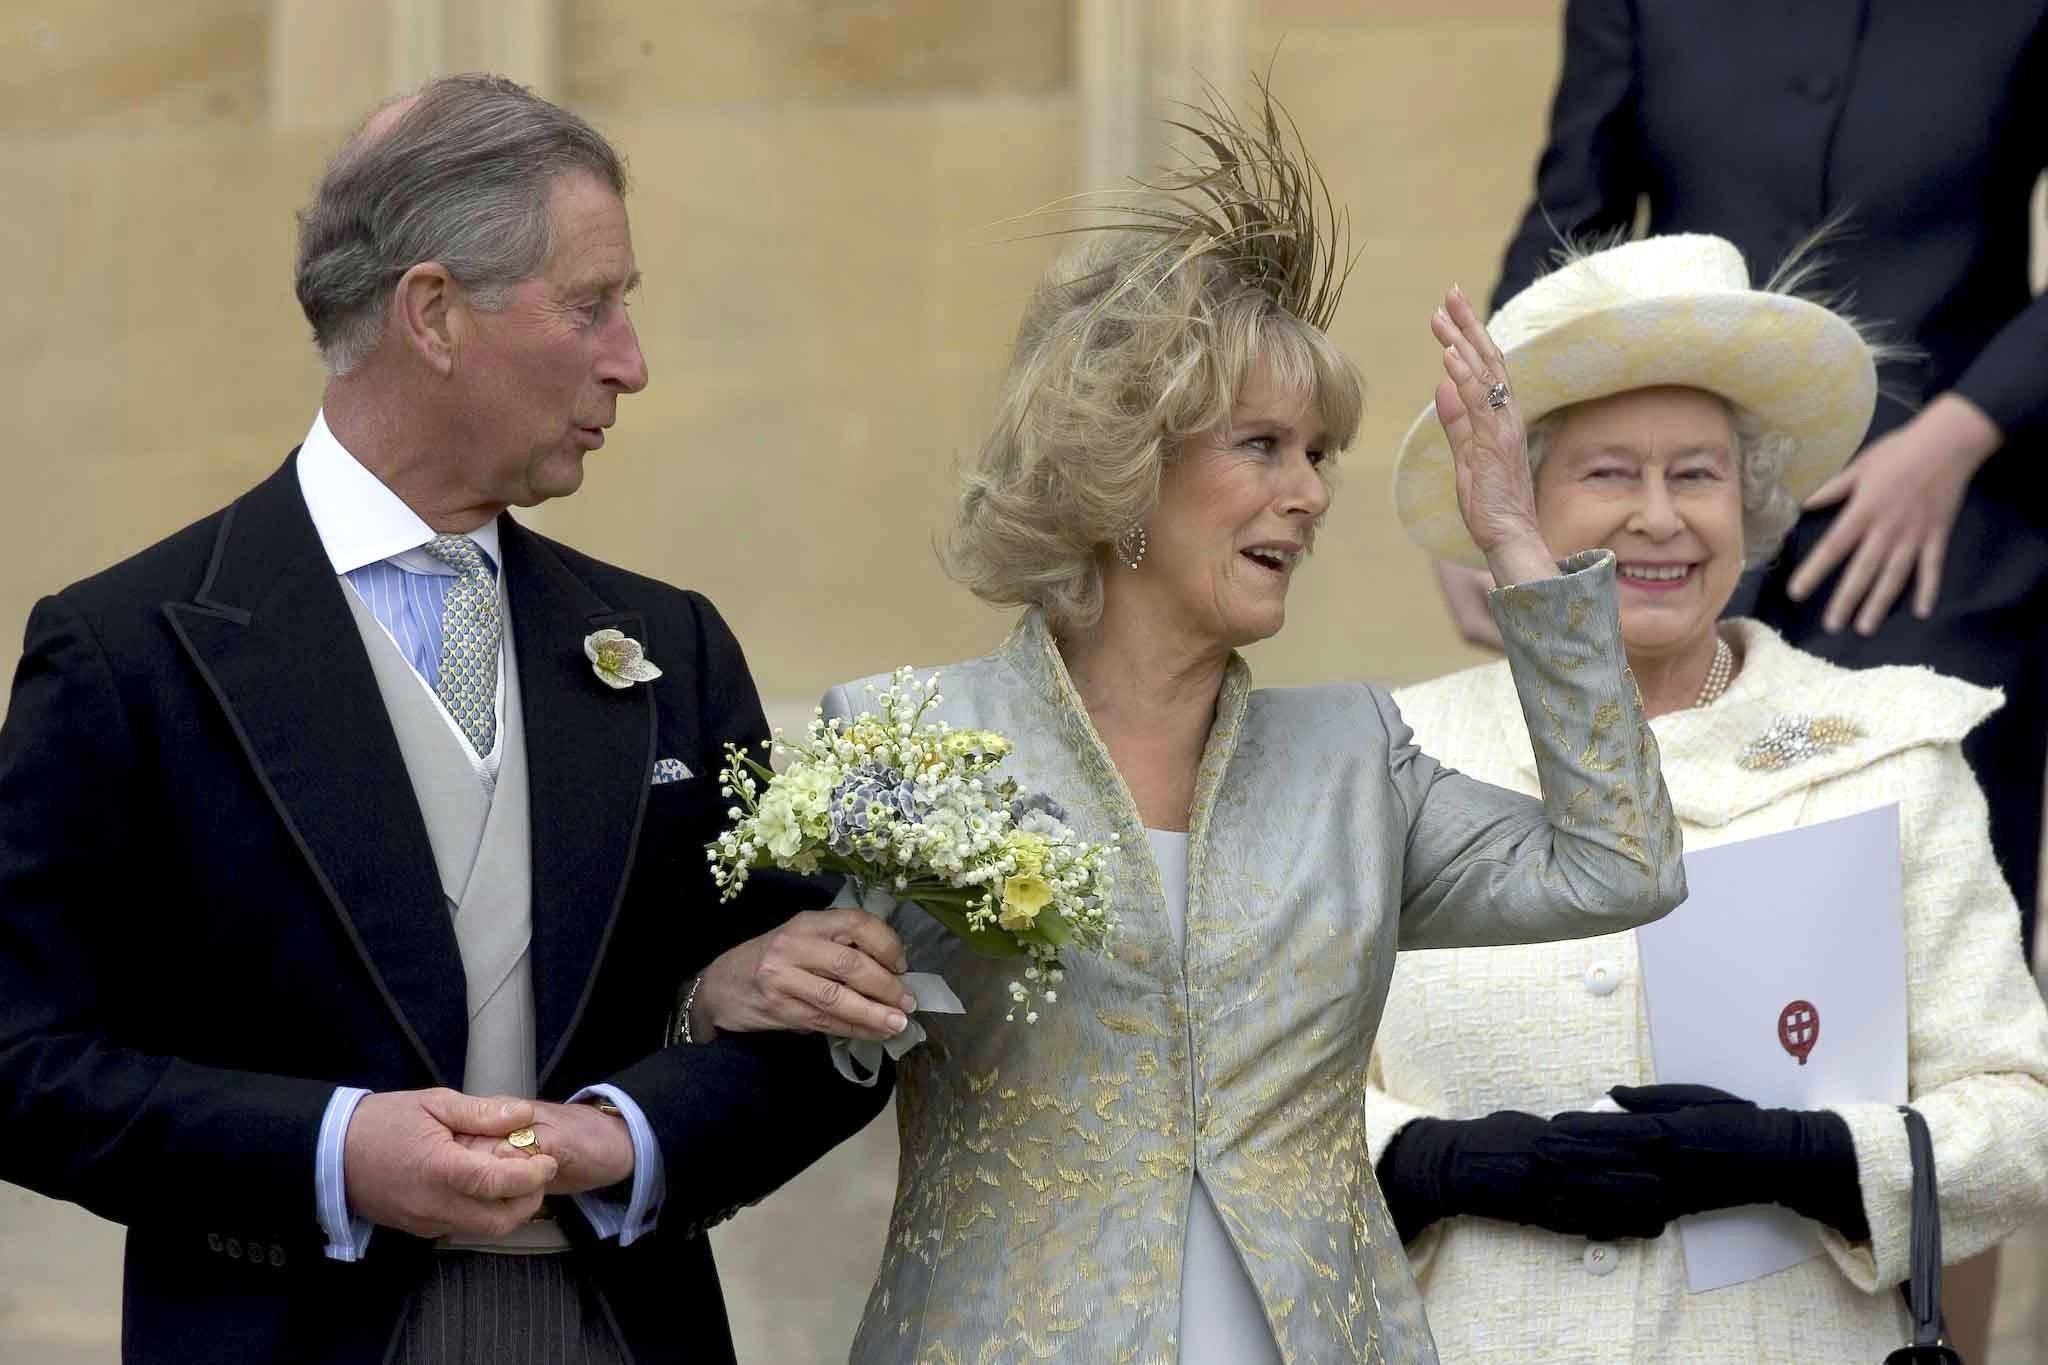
(822, 210)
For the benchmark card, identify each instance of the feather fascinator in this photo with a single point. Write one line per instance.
(1248, 195)
(1142, 339)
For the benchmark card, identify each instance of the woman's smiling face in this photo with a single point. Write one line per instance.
(1237, 511)
(1651, 475)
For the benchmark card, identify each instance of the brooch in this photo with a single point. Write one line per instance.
(618, 659)
(1794, 739)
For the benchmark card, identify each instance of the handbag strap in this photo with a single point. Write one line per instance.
(1923, 1288)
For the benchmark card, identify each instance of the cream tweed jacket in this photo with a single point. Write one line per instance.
(1551, 1027)
(1046, 1170)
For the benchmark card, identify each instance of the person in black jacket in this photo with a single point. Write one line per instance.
(350, 872)
(1919, 132)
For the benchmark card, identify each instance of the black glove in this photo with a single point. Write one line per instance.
(1717, 1151)
(1519, 1168)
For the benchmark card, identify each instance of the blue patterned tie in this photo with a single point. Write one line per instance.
(469, 641)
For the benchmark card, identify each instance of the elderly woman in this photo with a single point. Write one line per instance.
(1678, 417)
(1170, 1162)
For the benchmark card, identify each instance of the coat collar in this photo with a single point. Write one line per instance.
(1033, 652)
(1701, 749)
(590, 753)
(271, 634)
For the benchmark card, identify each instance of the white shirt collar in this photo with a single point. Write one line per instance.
(360, 521)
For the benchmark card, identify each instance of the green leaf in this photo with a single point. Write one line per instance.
(991, 942)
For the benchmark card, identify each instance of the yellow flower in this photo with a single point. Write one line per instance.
(1028, 850)
(777, 827)
(975, 744)
(1023, 898)
(809, 790)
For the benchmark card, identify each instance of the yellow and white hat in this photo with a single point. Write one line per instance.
(1676, 310)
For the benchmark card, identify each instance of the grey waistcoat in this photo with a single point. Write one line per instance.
(484, 855)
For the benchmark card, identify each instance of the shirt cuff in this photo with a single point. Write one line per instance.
(634, 1219)
(347, 1234)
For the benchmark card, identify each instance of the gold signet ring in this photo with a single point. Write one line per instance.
(525, 1140)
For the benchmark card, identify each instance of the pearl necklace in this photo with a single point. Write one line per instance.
(1720, 673)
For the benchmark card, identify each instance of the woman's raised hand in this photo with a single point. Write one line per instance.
(1489, 447)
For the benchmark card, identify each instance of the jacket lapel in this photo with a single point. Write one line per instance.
(271, 633)
(589, 757)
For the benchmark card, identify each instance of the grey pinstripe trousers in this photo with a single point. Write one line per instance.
(478, 1308)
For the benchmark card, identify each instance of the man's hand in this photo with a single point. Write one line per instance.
(825, 971)
(590, 1148)
(407, 1164)
(1900, 497)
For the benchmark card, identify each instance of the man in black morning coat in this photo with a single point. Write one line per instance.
(239, 961)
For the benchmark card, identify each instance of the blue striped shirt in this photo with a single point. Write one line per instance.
(409, 605)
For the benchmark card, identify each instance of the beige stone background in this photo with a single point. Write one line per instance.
(821, 209)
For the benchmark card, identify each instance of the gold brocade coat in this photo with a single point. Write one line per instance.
(1046, 1171)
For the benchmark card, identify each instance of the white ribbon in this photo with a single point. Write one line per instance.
(860, 1059)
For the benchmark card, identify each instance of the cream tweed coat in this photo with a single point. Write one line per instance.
(1551, 1027)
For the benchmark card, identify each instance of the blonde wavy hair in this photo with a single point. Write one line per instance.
(1139, 341)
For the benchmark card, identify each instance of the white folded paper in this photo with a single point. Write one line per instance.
(1782, 979)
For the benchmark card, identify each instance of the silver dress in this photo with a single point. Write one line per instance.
(1048, 1170)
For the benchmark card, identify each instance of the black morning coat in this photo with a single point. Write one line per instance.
(1924, 128)
(218, 901)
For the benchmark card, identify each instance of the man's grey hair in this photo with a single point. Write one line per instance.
(461, 176)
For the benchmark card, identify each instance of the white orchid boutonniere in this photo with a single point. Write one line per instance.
(618, 659)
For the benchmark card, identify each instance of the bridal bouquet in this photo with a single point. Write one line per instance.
(914, 807)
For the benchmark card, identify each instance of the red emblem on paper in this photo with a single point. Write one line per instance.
(1799, 1028)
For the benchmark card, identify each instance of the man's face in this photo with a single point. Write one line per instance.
(541, 378)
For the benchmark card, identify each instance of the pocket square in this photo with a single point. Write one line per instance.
(669, 770)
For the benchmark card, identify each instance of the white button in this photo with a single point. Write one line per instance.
(1601, 1258)
(1602, 977)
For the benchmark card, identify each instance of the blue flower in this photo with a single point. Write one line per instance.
(1038, 814)
(869, 796)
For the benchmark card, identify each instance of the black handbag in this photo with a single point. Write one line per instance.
(1923, 1289)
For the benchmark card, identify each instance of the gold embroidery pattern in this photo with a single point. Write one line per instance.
(1046, 1173)
(1566, 650)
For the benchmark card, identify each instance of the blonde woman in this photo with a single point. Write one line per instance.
(1170, 1162)
(1678, 416)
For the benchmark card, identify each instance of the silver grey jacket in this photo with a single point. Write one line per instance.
(1046, 1168)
